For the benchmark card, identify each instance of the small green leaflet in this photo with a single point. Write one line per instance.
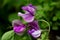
(8, 35)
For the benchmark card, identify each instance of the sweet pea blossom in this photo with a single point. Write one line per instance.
(18, 27)
(29, 13)
(30, 8)
(34, 29)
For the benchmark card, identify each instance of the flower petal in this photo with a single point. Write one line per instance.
(32, 6)
(36, 33)
(20, 14)
(27, 17)
(30, 9)
(34, 25)
(34, 29)
(18, 27)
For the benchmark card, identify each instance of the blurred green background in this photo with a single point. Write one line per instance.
(48, 10)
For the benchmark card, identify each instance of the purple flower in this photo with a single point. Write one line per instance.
(35, 33)
(27, 17)
(29, 13)
(34, 29)
(30, 8)
(18, 27)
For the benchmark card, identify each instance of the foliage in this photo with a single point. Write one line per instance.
(48, 10)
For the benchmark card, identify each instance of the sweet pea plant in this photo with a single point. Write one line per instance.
(31, 27)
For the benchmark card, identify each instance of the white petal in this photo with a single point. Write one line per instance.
(20, 14)
(36, 33)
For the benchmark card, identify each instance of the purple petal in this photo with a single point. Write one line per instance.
(35, 33)
(32, 6)
(31, 31)
(30, 9)
(34, 29)
(34, 25)
(27, 17)
(18, 27)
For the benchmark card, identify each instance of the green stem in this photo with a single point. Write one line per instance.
(45, 30)
(46, 23)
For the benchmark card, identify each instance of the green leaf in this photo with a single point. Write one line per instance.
(40, 1)
(44, 36)
(17, 37)
(53, 3)
(13, 16)
(57, 4)
(58, 14)
(43, 25)
(23, 37)
(55, 28)
(8, 35)
(54, 18)
(46, 7)
(39, 13)
(39, 7)
(27, 37)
